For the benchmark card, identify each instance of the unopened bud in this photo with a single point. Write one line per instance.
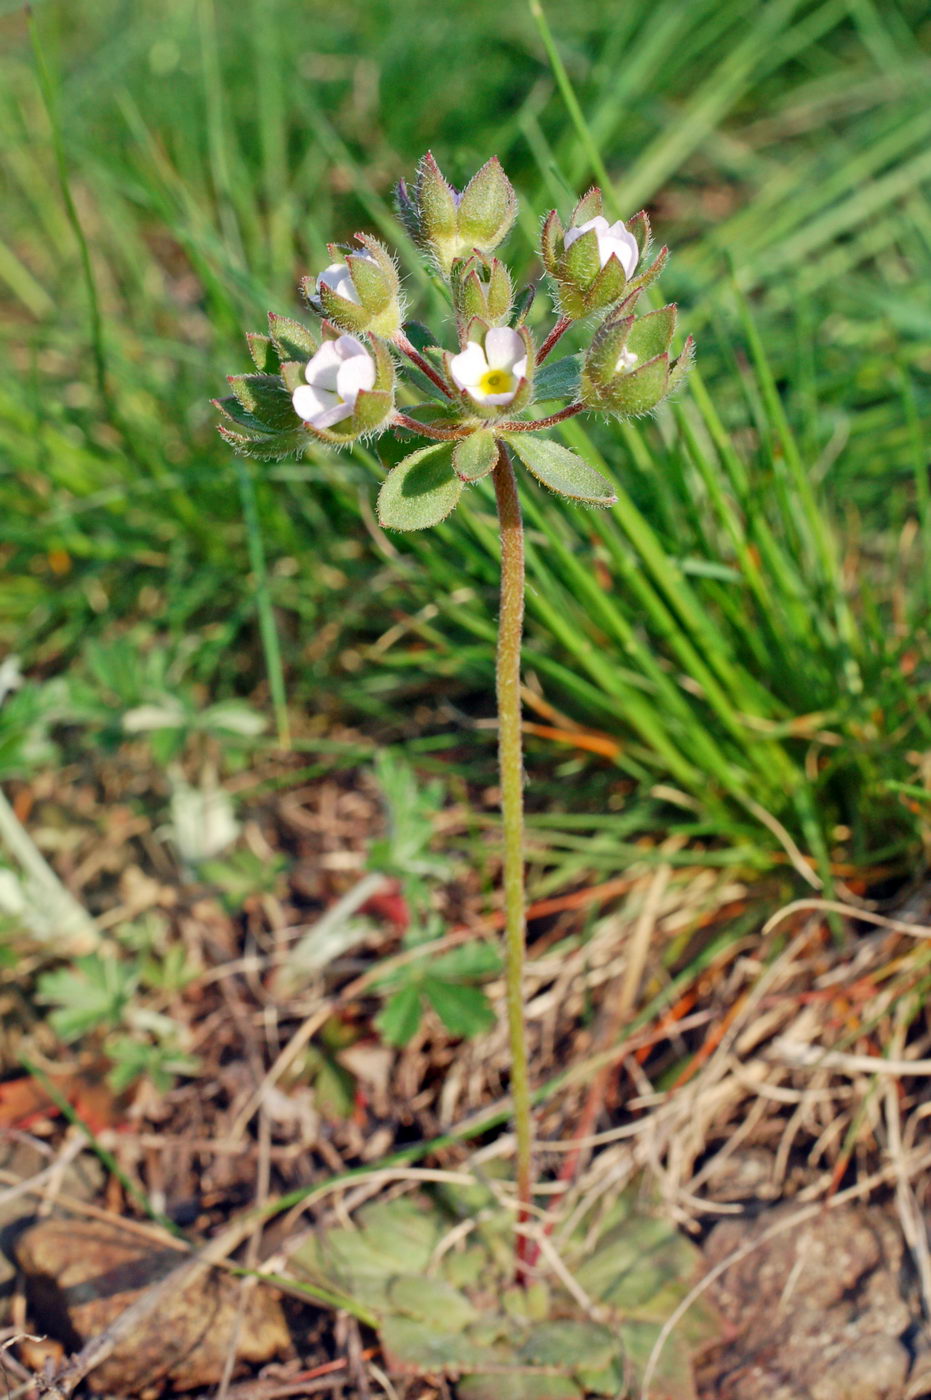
(360, 293)
(449, 225)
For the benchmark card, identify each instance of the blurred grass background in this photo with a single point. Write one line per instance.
(743, 641)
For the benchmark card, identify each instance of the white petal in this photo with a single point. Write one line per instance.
(323, 367)
(503, 348)
(621, 242)
(625, 360)
(356, 372)
(309, 401)
(469, 365)
(348, 345)
(339, 280)
(493, 398)
(599, 223)
(336, 414)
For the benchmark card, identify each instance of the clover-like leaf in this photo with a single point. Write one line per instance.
(561, 470)
(468, 962)
(514, 1386)
(569, 1344)
(420, 491)
(414, 1345)
(432, 1300)
(464, 1010)
(400, 1017)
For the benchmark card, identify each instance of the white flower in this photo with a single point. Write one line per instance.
(612, 238)
(338, 277)
(335, 376)
(203, 823)
(491, 375)
(11, 677)
(625, 361)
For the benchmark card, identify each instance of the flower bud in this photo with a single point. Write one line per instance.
(593, 262)
(449, 225)
(494, 370)
(481, 287)
(627, 369)
(361, 292)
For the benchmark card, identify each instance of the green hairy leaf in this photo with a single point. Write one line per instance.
(420, 491)
(561, 470)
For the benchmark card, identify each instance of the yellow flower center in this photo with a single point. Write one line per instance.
(496, 381)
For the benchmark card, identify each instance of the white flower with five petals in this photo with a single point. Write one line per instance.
(491, 375)
(335, 375)
(612, 238)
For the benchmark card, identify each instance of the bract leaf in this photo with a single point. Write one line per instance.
(420, 491)
(673, 1378)
(265, 396)
(558, 380)
(263, 353)
(561, 470)
(475, 456)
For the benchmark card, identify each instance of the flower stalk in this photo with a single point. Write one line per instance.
(425, 367)
(554, 337)
(511, 769)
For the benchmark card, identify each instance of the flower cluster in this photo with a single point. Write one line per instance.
(369, 372)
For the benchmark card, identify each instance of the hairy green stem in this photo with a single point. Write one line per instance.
(520, 426)
(555, 335)
(414, 355)
(511, 765)
(414, 425)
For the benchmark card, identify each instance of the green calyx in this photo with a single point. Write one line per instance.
(364, 294)
(583, 286)
(627, 369)
(449, 225)
(259, 419)
(481, 288)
